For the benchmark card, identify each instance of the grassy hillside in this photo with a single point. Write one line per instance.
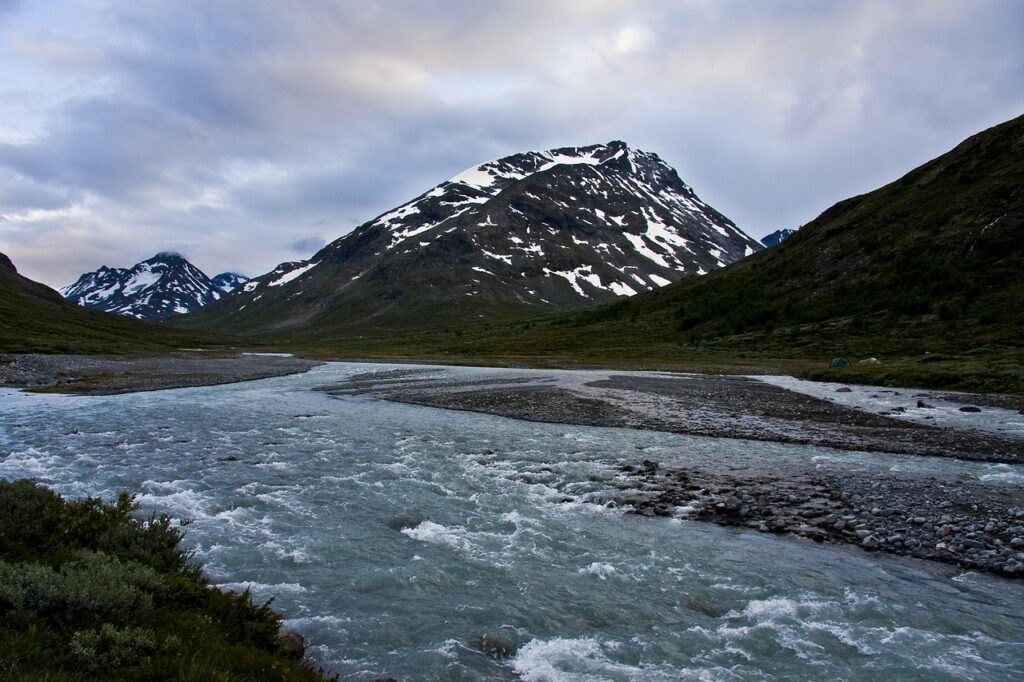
(926, 273)
(89, 592)
(36, 319)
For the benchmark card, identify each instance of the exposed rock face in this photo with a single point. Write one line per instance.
(565, 227)
(777, 237)
(229, 281)
(160, 286)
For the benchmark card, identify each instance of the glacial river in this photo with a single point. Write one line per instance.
(293, 493)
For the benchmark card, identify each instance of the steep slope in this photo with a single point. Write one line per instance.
(35, 318)
(533, 231)
(777, 237)
(930, 263)
(163, 285)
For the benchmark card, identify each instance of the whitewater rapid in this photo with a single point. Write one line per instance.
(294, 496)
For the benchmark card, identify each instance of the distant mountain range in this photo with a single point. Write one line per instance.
(567, 227)
(930, 264)
(163, 285)
(35, 318)
(777, 237)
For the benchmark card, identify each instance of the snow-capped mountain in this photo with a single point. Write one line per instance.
(229, 281)
(777, 237)
(160, 286)
(565, 227)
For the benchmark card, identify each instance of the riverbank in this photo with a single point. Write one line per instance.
(979, 527)
(402, 540)
(89, 591)
(714, 406)
(108, 375)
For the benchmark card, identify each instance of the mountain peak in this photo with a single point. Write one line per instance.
(166, 256)
(519, 166)
(163, 285)
(229, 281)
(560, 227)
(777, 237)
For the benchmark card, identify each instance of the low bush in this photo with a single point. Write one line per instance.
(91, 591)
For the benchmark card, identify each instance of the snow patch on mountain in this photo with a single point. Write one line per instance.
(229, 281)
(293, 274)
(163, 285)
(562, 227)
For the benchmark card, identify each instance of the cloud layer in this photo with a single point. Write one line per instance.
(244, 134)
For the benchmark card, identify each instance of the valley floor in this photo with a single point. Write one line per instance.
(107, 375)
(974, 524)
(978, 525)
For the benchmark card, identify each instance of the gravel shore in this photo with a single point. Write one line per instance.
(974, 526)
(703, 405)
(107, 375)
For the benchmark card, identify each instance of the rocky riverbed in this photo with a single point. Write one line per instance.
(972, 526)
(978, 527)
(109, 375)
(704, 405)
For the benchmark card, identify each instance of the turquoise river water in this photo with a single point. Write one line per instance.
(292, 492)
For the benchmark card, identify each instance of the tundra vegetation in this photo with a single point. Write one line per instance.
(89, 590)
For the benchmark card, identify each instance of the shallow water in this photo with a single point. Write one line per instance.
(506, 546)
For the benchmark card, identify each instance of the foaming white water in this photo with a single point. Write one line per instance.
(395, 537)
(601, 569)
(263, 590)
(583, 659)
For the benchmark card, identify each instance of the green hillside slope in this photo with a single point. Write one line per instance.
(928, 268)
(36, 319)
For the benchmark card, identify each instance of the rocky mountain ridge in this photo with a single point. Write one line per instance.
(558, 228)
(777, 237)
(163, 285)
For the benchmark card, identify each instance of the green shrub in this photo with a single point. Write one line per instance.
(90, 592)
(92, 588)
(112, 647)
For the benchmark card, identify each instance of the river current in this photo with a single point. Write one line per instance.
(294, 495)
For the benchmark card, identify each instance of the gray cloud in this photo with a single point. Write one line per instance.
(307, 245)
(8, 7)
(236, 135)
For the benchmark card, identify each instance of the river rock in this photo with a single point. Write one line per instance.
(403, 521)
(495, 646)
(291, 643)
(704, 604)
(731, 505)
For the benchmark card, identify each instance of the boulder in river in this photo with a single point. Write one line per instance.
(403, 521)
(495, 646)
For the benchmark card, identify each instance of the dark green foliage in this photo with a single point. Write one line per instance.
(36, 319)
(111, 647)
(90, 591)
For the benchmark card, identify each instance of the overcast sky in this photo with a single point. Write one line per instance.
(249, 132)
